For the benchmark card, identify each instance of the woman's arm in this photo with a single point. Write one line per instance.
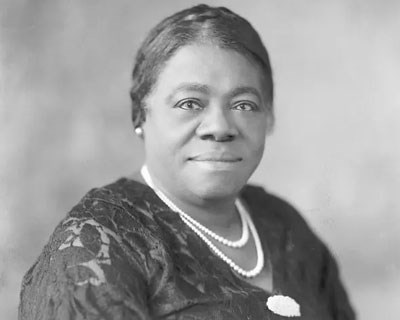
(85, 273)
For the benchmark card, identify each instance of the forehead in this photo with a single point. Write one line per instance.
(219, 69)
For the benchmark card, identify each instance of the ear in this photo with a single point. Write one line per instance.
(270, 119)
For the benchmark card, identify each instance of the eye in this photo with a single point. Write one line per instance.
(245, 106)
(189, 104)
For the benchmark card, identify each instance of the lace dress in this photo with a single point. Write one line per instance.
(121, 253)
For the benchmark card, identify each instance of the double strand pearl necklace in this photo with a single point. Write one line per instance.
(234, 244)
(198, 228)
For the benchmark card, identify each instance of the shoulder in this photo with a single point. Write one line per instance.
(108, 213)
(100, 246)
(113, 215)
(273, 207)
(96, 231)
(284, 222)
(123, 203)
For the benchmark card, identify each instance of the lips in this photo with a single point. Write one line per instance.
(216, 157)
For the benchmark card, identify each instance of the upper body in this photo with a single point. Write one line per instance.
(202, 104)
(121, 253)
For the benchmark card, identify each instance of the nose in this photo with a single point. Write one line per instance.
(217, 124)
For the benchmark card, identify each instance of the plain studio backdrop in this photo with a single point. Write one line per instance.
(335, 153)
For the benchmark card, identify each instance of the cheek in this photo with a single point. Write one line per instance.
(257, 152)
(257, 146)
(155, 139)
(254, 131)
(162, 141)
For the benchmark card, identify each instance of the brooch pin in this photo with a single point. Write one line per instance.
(283, 306)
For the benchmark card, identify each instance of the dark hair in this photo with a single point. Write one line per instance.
(201, 23)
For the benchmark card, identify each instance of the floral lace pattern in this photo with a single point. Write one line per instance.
(120, 253)
(75, 226)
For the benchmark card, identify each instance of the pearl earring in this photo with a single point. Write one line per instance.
(139, 131)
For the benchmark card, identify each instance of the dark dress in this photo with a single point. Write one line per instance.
(121, 253)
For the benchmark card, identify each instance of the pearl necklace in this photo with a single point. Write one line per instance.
(198, 228)
(234, 244)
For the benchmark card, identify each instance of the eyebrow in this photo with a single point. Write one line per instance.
(243, 90)
(202, 88)
(189, 86)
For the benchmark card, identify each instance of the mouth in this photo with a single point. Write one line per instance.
(216, 157)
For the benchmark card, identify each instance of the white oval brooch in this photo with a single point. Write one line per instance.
(283, 306)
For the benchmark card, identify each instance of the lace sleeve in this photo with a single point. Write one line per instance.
(85, 273)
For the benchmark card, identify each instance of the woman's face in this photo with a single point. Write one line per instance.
(206, 123)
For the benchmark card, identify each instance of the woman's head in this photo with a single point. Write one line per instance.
(197, 25)
(202, 95)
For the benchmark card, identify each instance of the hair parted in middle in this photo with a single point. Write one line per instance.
(199, 24)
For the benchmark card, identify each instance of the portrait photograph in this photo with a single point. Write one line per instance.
(199, 159)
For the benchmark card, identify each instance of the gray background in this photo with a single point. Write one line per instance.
(65, 127)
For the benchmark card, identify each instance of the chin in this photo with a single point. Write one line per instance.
(213, 189)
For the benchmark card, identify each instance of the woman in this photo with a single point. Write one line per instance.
(186, 238)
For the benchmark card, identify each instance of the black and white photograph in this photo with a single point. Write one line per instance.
(216, 160)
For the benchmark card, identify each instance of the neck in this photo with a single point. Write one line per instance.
(215, 214)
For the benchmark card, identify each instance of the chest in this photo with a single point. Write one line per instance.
(200, 285)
